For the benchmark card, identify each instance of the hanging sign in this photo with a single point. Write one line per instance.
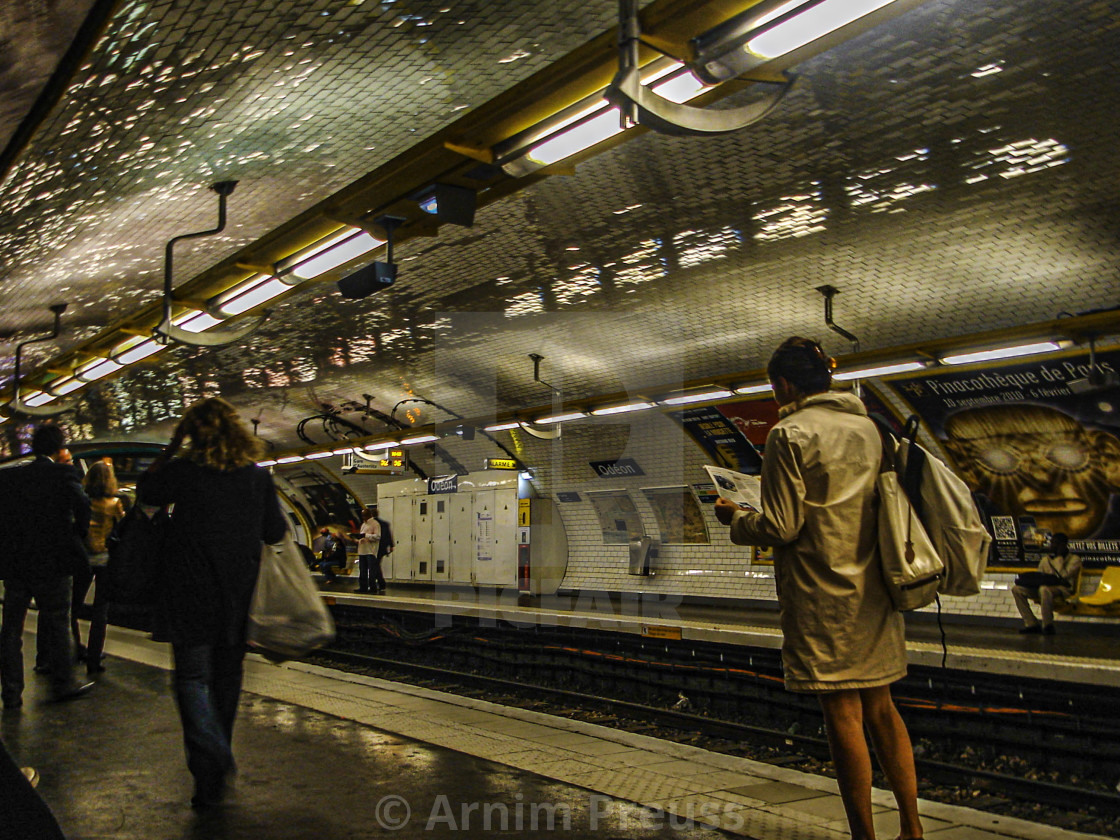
(620, 468)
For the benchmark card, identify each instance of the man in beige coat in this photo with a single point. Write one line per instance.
(842, 638)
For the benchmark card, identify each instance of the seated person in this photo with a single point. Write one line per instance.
(334, 554)
(1063, 570)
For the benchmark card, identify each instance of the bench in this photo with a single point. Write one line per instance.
(1105, 601)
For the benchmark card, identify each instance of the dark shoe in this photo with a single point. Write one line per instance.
(209, 795)
(1048, 629)
(1034, 628)
(72, 693)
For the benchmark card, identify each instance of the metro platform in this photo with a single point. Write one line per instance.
(1081, 652)
(324, 754)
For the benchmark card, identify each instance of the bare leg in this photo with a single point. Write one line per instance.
(895, 754)
(843, 720)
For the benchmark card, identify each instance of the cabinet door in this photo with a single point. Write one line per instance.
(441, 536)
(422, 538)
(397, 512)
(462, 537)
(495, 518)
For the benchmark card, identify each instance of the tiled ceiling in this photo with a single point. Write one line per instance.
(951, 172)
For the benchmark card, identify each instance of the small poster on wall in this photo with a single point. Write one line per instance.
(484, 531)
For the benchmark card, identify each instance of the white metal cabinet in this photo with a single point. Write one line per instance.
(440, 514)
(462, 536)
(422, 537)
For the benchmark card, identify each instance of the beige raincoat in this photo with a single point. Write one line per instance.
(819, 512)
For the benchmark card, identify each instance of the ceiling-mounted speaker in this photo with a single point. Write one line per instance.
(366, 281)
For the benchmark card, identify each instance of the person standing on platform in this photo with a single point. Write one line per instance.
(367, 550)
(44, 516)
(842, 638)
(225, 506)
(385, 546)
(101, 487)
(1058, 574)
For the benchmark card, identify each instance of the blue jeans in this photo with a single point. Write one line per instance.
(207, 687)
(53, 642)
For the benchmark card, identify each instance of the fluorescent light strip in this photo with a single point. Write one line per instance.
(388, 444)
(813, 23)
(97, 369)
(621, 409)
(501, 427)
(135, 352)
(560, 418)
(702, 396)
(311, 456)
(607, 124)
(195, 321)
(62, 387)
(754, 389)
(1001, 353)
(348, 450)
(39, 398)
(419, 439)
(253, 292)
(265, 463)
(290, 459)
(341, 250)
(881, 370)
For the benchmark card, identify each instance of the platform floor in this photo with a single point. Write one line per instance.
(329, 755)
(1079, 653)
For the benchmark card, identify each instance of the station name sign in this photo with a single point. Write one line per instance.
(617, 469)
(500, 464)
(443, 484)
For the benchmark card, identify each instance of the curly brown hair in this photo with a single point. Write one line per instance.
(219, 438)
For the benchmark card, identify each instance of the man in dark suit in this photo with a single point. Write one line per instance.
(44, 514)
(384, 546)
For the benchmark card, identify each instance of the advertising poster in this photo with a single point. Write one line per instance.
(731, 433)
(1034, 441)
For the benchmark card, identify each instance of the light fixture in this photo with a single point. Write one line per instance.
(771, 29)
(560, 418)
(97, 369)
(501, 427)
(201, 335)
(312, 456)
(247, 294)
(589, 122)
(66, 385)
(265, 463)
(409, 441)
(880, 370)
(34, 404)
(705, 395)
(384, 444)
(754, 389)
(289, 459)
(39, 398)
(639, 105)
(329, 253)
(134, 350)
(1001, 353)
(622, 408)
(346, 450)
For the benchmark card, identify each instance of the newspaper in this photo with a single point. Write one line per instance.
(744, 490)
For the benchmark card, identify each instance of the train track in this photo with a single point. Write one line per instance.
(795, 745)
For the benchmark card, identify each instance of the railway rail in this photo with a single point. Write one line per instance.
(1011, 746)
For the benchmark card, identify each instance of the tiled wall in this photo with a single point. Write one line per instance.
(668, 458)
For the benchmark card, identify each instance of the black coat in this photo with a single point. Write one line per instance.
(44, 515)
(213, 549)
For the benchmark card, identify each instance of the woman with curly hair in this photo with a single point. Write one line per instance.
(224, 507)
(101, 486)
